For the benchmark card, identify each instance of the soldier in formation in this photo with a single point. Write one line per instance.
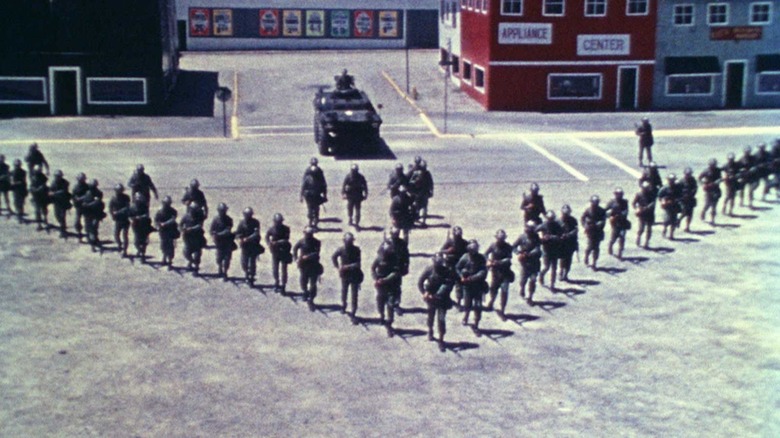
(550, 233)
(193, 193)
(221, 232)
(499, 264)
(387, 281)
(645, 133)
(5, 184)
(435, 284)
(35, 158)
(402, 211)
(79, 190)
(119, 208)
(617, 211)
(644, 208)
(307, 254)
(569, 241)
(347, 259)
(165, 220)
(314, 191)
(533, 205)
(19, 188)
(593, 220)
(141, 223)
(669, 198)
(528, 248)
(193, 235)
(421, 188)
(248, 235)
(94, 210)
(472, 272)
(688, 189)
(278, 239)
(710, 180)
(453, 249)
(59, 194)
(732, 183)
(141, 182)
(39, 192)
(355, 191)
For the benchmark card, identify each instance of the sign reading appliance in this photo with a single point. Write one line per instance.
(603, 45)
(524, 33)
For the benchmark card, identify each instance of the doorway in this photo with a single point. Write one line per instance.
(65, 91)
(734, 91)
(627, 92)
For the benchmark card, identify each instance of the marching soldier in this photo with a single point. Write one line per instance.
(94, 210)
(688, 188)
(452, 250)
(472, 271)
(773, 171)
(248, 235)
(528, 248)
(710, 184)
(278, 239)
(5, 184)
(119, 208)
(421, 187)
(141, 182)
(387, 279)
(593, 220)
(40, 197)
(653, 176)
(569, 243)
(414, 166)
(193, 236)
(533, 205)
(644, 208)
(551, 232)
(397, 179)
(19, 188)
(669, 196)
(193, 193)
(307, 253)
(435, 283)
(732, 183)
(314, 190)
(79, 190)
(749, 175)
(165, 220)
(645, 134)
(347, 260)
(60, 198)
(617, 211)
(34, 158)
(221, 231)
(499, 263)
(402, 211)
(401, 249)
(355, 191)
(141, 222)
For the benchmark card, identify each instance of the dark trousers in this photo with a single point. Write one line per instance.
(438, 313)
(346, 287)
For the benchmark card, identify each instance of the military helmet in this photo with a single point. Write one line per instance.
(17, 162)
(418, 160)
(80, 177)
(713, 162)
(58, 173)
(762, 146)
(399, 166)
(194, 183)
(222, 207)
(653, 164)
(139, 167)
(354, 167)
(501, 235)
(278, 218)
(167, 200)
(595, 199)
(530, 225)
(34, 146)
(688, 171)
(119, 187)
(747, 149)
(566, 209)
(438, 259)
(730, 156)
(194, 206)
(423, 164)
(618, 191)
(308, 230)
(395, 231)
(457, 231)
(313, 161)
(93, 183)
(534, 188)
(349, 237)
(472, 246)
(248, 212)
(550, 215)
(646, 185)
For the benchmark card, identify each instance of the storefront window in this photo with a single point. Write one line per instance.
(689, 85)
(574, 86)
(683, 15)
(768, 83)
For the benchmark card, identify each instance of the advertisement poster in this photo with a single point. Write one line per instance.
(291, 23)
(315, 23)
(200, 22)
(269, 22)
(388, 24)
(364, 24)
(339, 24)
(223, 22)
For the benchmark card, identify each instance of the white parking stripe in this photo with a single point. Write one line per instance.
(596, 151)
(574, 172)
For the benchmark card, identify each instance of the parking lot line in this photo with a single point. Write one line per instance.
(598, 152)
(547, 154)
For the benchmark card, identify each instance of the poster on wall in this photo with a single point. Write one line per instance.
(364, 24)
(339, 24)
(223, 22)
(315, 23)
(200, 22)
(388, 24)
(291, 23)
(269, 22)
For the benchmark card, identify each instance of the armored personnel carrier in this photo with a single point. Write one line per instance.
(344, 118)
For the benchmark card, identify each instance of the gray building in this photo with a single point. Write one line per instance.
(717, 54)
(307, 24)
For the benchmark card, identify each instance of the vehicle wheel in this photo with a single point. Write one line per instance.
(324, 144)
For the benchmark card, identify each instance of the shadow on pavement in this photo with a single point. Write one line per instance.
(193, 95)
(381, 151)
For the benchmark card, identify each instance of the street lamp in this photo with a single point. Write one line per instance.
(446, 63)
(223, 95)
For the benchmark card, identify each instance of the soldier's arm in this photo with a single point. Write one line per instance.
(335, 258)
(423, 277)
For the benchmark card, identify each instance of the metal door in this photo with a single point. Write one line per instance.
(65, 91)
(627, 84)
(734, 92)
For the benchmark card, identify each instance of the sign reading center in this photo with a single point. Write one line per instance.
(598, 45)
(524, 33)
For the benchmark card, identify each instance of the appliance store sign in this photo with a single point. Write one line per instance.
(525, 33)
(600, 45)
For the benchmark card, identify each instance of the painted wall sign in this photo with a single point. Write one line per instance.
(200, 22)
(736, 33)
(315, 23)
(269, 22)
(600, 45)
(291, 23)
(339, 24)
(364, 24)
(223, 22)
(388, 24)
(524, 33)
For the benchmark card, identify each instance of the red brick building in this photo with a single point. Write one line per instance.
(558, 55)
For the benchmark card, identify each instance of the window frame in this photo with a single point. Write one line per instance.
(547, 14)
(710, 14)
(600, 95)
(40, 79)
(595, 4)
(768, 14)
(676, 14)
(637, 14)
(758, 83)
(512, 14)
(91, 101)
(478, 69)
(711, 92)
(466, 74)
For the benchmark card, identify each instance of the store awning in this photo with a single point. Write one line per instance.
(767, 63)
(682, 65)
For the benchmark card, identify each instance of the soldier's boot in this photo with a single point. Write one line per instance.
(430, 332)
(621, 244)
(531, 290)
(442, 345)
(502, 305)
(493, 294)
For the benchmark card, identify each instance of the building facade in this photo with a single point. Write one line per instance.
(307, 24)
(717, 54)
(71, 57)
(558, 55)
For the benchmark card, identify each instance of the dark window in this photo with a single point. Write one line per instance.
(22, 90)
(116, 91)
